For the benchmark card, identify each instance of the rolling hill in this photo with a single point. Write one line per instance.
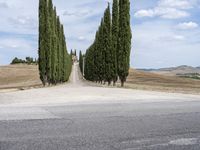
(19, 76)
(160, 82)
(173, 71)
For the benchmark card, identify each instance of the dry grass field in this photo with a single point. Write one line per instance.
(159, 82)
(19, 77)
(27, 76)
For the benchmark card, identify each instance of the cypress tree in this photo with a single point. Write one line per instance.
(101, 56)
(81, 61)
(71, 53)
(54, 50)
(54, 61)
(115, 32)
(61, 55)
(96, 58)
(42, 34)
(58, 50)
(89, 68)
(49, 37)
(108, 46)
(124, 41)
(67, 63)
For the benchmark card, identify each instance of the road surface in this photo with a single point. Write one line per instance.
(78, 116)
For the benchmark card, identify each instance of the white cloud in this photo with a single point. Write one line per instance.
(3, 5)
(178, 37)
(187, 25)
(172, 38)
(23, 22)
(180, 4)
(82, 13)
(160, 45)
(171, 13)
(81, 38)
(15, 44)
(168, 13)
(169, 9)
(145, 13)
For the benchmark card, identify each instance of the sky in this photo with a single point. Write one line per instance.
(166, 33)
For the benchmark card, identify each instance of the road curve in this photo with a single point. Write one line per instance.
(78, 116)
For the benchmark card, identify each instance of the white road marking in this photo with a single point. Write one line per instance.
(184, 141)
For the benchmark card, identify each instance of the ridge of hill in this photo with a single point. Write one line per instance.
(172, 71)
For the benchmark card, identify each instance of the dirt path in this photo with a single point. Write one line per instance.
(76, 79)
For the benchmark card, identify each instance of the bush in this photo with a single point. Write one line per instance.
(29, 60)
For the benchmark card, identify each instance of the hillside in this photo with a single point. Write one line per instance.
(173, 71)
(19, 76)
(154, 81)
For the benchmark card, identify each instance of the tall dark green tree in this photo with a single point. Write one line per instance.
(108, 46)
(109, 55)
(61, 55)
(101, 54)
(42, 48)
(115, 33)
(94, 60)
(124, 41)
(54, 55)
(81, 61)
(58, 51)
(49, 13)
(54, 60)
(71, 53)
(96, 57)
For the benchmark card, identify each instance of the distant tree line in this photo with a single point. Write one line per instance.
(73, 52)
(108, 58)
(28, 60)
(54, 61)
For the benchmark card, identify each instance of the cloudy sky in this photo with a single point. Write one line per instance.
(165, 32)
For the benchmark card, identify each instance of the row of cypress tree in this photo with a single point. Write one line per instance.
(108, 58)
(54, 61)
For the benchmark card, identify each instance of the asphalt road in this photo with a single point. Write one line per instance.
(78, 116)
